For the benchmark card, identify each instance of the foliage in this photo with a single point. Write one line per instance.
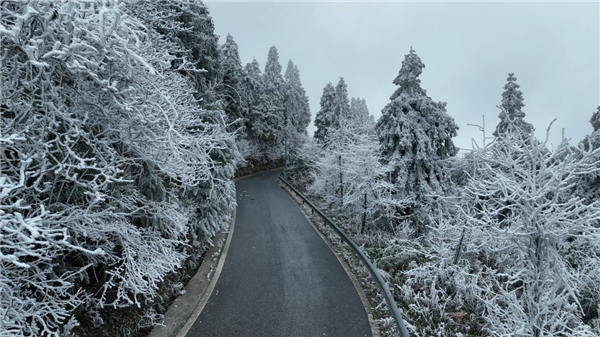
(102, 144)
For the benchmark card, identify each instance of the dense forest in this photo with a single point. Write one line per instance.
(125, 122)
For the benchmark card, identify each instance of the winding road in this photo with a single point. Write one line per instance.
(279, 278)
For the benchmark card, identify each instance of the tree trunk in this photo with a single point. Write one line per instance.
(364, 218)
(341, 184)
(459, 248)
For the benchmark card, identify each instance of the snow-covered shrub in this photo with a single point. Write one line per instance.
(537, 243)
(101, 142)
(301, 163)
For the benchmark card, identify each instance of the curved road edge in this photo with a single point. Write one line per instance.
(184, 311)
(359, 289)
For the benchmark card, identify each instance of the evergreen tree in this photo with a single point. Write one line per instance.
(253, 89)
(512, 115)
(188, 25)
(359, 113)
(592, 141)
(415, 134)
(271, 122)
(295, 100)
(324, 118)
(232, 76)
(341, 104)
(202, 45)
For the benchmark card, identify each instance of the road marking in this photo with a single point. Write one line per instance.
(190, 322)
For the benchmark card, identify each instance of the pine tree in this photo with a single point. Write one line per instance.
(512, 115)
(415, 134)
(359, 113)
(341, 104)
(295, 100)
(272, 121)
(253, 89)
(187, 23)
(324, 118)
(592, 141)
(232, 76)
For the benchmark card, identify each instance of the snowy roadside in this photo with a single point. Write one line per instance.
(184, 309)
(377, 308)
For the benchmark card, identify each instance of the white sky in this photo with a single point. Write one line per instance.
(468, 50)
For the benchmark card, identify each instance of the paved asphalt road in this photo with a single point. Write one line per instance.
(279, 277)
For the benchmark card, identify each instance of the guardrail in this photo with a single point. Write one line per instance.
(389, 299)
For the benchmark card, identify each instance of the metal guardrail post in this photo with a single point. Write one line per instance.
(383, 286)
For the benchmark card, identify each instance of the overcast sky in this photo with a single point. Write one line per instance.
(468, 50)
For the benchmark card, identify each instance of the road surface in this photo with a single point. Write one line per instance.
(279, 278)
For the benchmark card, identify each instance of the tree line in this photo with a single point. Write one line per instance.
(502, 240)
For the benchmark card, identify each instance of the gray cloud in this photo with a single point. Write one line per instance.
(468, 50)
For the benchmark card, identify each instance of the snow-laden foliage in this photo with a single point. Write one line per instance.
(301, 165)
(232, 75)
(368, 195)
(335, 109)
(510, 246)
(295, 100)
(589, 185)
(275, 109)
(325, 116)
(513, 252)
(512, 115)
(416, 137)
(272, 119)
(541, 244)
(415, 133)
(188, 25)
(102, 146)
(347, 172)
(341, 104)
(252, 88)
(296, 116)
(359, 112)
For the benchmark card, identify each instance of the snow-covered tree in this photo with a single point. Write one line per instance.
(297, 113)
(329, 181)
(252, 94)
(341, 104)
(369, 196)
(232, 75)
(359, 113)
(295, 100)
(335, 108)
(188, 24)
(538, 243)
(270, 123)
(589, 184)
(592, 141)
(416, 134)
(301, 164)
(102, 145)
(325, 116)
(512, 115)
(350, 178)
